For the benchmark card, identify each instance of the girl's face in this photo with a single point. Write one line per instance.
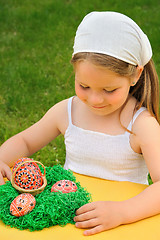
(102, 90)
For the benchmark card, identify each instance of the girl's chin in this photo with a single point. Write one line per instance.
(100, 111)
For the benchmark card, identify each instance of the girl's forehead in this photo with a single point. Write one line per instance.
(88, 73)
(88, 68)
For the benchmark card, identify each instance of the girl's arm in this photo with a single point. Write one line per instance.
(100, 216)
(33, 139)
(147, 203)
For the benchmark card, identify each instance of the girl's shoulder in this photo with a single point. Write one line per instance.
(142, 118)
(60, 106)
(146, 131)
(145, 121)
(146, 128)
(60, 113)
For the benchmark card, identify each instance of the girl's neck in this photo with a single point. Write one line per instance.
(110, 124)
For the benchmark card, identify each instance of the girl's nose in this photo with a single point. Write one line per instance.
(95, 98)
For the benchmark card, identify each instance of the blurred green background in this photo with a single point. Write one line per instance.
(36, 42)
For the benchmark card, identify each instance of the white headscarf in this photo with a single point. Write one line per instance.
(113, 34)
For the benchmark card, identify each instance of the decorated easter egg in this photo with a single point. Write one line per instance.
(21, 160)
(22, 204)
(28, 175)
(64, 186)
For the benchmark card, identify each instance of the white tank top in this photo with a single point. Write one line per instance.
(101, 155)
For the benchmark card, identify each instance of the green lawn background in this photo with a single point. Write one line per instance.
(36, 42)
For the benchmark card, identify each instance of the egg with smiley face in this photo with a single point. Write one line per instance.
(64, 186)
(22, 204)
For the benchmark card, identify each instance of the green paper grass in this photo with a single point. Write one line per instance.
(150, 182)
(51, 208)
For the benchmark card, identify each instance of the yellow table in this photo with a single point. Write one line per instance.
(148, 229)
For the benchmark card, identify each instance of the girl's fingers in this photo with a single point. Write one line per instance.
(85, 216)
(1, 180)
(87, 224)
(5, 171)
(85, 208)
(8, 172)
(94, 230)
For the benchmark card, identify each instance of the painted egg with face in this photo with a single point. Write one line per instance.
(22, 204)
(28, 175)
(64, 186)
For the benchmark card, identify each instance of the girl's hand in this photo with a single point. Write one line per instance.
(99, 216)
(5, 171)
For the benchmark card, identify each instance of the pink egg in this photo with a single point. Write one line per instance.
(22, 204)
(64, 186)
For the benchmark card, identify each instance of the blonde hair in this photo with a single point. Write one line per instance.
(146, 91)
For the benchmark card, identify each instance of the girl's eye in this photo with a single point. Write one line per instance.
(84, 87)
(110, 91)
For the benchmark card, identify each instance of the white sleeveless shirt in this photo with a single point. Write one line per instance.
(101, 155)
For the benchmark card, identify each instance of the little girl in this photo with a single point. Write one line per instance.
(111, 126)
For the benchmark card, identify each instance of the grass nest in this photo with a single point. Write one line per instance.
(51, 209)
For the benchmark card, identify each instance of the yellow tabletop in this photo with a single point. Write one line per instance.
(148, 229)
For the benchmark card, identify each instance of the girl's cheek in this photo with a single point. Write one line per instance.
(113, 98)
(80, 92)
(117, 97)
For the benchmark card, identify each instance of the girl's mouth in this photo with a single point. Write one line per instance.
(99, 107)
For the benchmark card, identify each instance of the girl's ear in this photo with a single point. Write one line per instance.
(137, 75)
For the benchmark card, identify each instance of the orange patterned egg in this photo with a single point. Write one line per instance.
(22, 204)
(64, 186)
(28, 176)
(21, 160)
